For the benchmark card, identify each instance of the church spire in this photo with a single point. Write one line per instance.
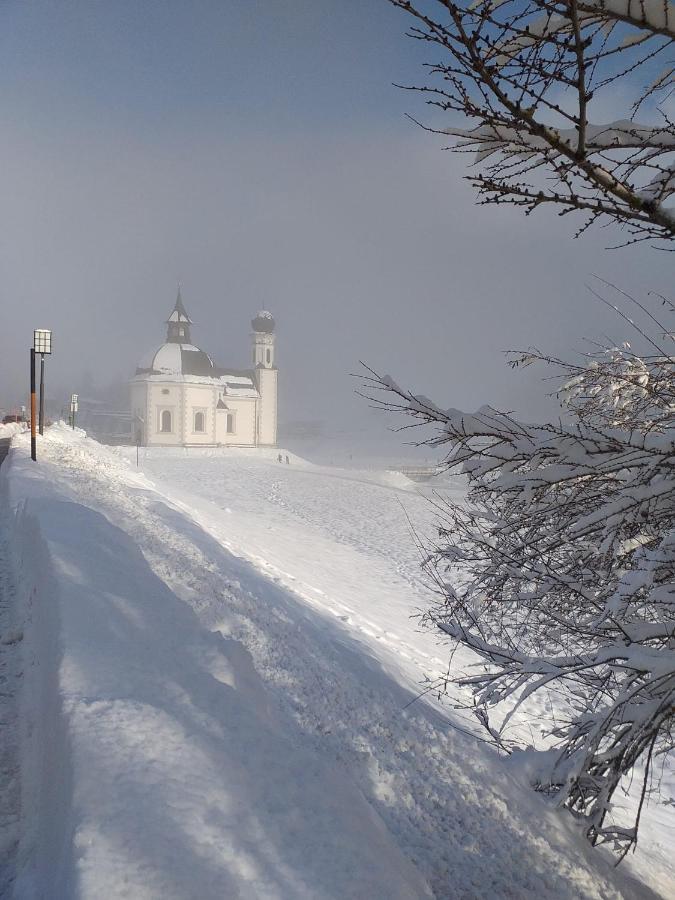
(178, 331)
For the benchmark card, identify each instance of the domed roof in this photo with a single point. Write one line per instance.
(177, 359)
(263, 322)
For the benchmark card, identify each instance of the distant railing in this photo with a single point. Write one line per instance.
(114, 439)
(419, 473)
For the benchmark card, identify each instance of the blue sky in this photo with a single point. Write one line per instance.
(258, 152)
(160, 65)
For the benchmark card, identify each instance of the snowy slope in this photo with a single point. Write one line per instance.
(212, 707)
(347, 541)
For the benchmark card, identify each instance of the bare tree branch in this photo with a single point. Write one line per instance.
(515, 71)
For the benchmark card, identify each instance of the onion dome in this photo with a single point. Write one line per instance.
(263, 322)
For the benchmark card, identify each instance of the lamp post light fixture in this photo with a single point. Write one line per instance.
(42, 344)
(42, 340)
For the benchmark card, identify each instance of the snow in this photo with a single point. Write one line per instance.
(12, 428)
(169, 360)
(241, 387)
(218, 667)
(648, 15)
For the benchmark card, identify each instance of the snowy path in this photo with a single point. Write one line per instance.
(230, 738)
(9, 666)
(9, 800)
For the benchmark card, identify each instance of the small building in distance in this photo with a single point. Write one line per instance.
(181, 398)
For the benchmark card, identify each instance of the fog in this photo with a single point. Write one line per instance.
(259, 153)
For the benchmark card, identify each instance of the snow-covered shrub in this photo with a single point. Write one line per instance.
(559, 572)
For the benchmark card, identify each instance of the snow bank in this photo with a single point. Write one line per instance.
(154, 764)
(12, 428)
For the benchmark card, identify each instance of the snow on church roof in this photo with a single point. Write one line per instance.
(242, 388)
(179, 362)
(177, 359)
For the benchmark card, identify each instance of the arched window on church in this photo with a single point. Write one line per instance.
(200, 422)
(269, 357)
(165, 421)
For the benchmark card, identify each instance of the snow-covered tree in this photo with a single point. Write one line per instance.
(526, 79)
(559, 571)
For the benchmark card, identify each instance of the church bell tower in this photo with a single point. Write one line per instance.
(178, 324)
(265, 370)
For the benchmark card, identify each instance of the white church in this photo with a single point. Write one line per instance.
(181, 398)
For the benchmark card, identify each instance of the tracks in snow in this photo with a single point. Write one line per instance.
(447, 802)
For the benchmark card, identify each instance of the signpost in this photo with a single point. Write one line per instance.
(139, 433)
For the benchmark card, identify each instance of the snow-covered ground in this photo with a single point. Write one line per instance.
(12, 428)
(218, 669)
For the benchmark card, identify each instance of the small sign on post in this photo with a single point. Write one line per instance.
(74, 404)
(139, 433)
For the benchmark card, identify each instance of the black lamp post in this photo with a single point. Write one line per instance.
(33, 442)
(42, 344)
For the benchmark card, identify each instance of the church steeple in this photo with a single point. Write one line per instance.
(178, 331)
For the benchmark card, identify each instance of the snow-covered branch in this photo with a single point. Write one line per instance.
(523, 80)
(560, 570)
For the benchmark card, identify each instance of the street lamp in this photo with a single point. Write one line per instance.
(42, 344)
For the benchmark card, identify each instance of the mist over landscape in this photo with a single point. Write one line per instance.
(337, 450)
(260, 154)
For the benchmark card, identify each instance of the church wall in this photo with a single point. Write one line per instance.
(139, 410)
(267, 427)
(198, 412)
(181, 402)
(165, 398)
(244, 411)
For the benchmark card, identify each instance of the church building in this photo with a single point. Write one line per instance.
(181, 398)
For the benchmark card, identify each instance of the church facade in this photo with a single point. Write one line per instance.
(181, 398)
